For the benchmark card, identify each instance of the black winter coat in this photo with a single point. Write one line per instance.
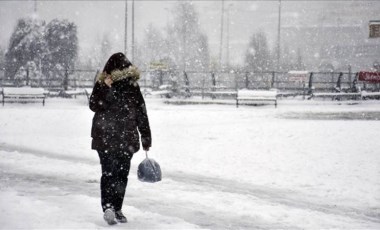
(120, 113)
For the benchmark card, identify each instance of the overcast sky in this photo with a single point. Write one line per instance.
(95, 18)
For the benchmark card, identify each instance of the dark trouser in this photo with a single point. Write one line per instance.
(114, 180)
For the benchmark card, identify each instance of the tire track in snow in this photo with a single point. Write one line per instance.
(47, 154)
(272, 195)
(187, 211)
(281, 196)
(43, 186)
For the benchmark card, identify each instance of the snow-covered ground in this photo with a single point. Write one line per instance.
(306, 165)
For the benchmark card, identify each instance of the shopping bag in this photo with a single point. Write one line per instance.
(149, 170)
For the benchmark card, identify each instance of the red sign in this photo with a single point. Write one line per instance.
(373, 77)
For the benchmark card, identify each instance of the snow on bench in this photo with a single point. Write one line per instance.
(334, 95)
(338, 95)
(163, 91)
(23, 94)
(76, 92)
(369, 94)
(249, 96)
(215, 94)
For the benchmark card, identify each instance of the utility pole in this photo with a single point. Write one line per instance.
(279, 36)
(184, 37)
(126, 29)
(133, 31)
(184, 46)
(228, 36)
(221, 35)
(39, 57)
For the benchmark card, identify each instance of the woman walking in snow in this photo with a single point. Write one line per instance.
(120, 115)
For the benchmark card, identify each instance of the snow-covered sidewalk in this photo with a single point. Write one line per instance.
(223, 168)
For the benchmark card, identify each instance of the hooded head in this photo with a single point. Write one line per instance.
(117, 61)
(119, 67)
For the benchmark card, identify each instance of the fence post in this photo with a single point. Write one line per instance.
(66, 79)
(273, 79)
(213, 81)
(236, 81)
(213, 86)
(246, 80)
(75, 81)
(161, 77)
(339, 82)
(27, 75)
(303, 90)
(355, 83)
(311, 83)
(349, 75)
(96, 76)
(187, 84)
(40, 78)
(203, 86)
(2, 79)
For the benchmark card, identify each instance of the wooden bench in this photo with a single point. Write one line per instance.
(23, 94)
(75, 92)
(250, 96)
(163, 91)
(370, 77)
(365, 94)
(335, 95)
(222, 94)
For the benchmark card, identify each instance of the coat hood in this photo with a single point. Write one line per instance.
(131, 73)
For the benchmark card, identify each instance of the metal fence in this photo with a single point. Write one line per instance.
(201, 82)
(283, 81)
(77, 78)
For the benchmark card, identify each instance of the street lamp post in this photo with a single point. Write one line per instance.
(133, 30)
(126, 29)
(279, 36)
(228, 36)
(221, 35)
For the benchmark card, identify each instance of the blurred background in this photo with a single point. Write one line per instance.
(267, 37)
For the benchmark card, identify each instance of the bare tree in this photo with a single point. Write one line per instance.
(258, 56)
(188, 45)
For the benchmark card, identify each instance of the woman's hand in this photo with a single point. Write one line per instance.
(108, 81)
(146, 148)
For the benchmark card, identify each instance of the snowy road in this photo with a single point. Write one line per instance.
(194, 205)
(51, 186)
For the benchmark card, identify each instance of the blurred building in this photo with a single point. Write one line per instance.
(337, 39)
(331, 47)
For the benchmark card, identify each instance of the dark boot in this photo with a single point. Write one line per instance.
(120, 217)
